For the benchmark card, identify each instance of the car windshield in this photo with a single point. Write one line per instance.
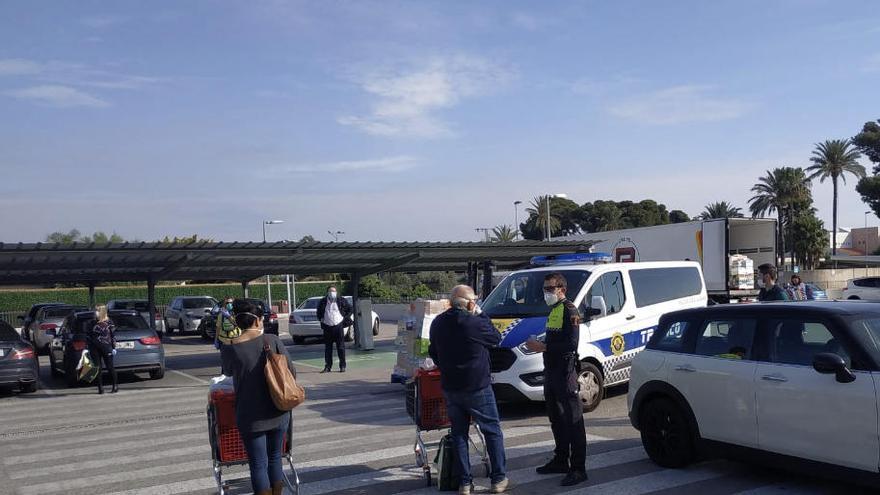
(129, 322)
(521, 294)
(199, 302)
(310, 303)
(60, 312)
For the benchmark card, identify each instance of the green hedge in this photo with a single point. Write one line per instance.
(22, 299)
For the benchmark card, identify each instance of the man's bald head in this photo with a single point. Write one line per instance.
(462, 296)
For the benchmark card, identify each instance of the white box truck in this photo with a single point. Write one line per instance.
(710, 242)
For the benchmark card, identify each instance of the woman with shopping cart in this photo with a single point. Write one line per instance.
(263, 427)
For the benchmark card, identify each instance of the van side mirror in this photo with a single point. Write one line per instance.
(597, 307)
(829, 363)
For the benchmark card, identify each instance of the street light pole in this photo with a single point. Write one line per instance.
(558, 195)
(866, 242)
(268, 283)
(516, 219)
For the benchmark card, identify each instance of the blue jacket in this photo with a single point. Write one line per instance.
(460, 344)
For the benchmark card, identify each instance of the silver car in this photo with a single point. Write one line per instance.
(303, 322)
(142, 306)
(46, 323)
(185, 313)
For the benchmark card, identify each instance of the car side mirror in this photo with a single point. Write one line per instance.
(829, 363)
(597, 307)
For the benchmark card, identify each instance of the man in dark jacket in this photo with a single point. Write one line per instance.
(334, 313)
(560, 383)
(460, 342)
(770, 290)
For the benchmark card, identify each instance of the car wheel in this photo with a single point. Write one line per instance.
(299, 340)
(853, 298)
(204, 331)
(168, 328)
(157, 374)
(53, 366)
(666, 434)
(349, 335)
(29, 388)
(590, 386)
(375, 328)
(70, 375)
(180, 326)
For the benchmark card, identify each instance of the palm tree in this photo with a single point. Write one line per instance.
(781, 191)
(539, 209)
(720, 209)
(503, 233)
(835, 158)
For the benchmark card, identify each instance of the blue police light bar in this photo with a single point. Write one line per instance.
(571, 259)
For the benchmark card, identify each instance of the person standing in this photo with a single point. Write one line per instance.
(334, 313)
(460, 341)
(224, 325)
(770, 290)
(560, 383)
(799, 291)
(262, 426)
(102, 348)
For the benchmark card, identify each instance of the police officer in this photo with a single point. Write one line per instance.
(560, 383)
(225, 328)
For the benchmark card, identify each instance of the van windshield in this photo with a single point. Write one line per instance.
(521, 294)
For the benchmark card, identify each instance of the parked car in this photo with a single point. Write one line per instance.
(207, 327)
(186, 312)
(47, 322)
(865, 288)
(138, 347)
(142, 306)
(28, 319)
(792, 381)
(303, 322)
(19, 367)
(819, 294)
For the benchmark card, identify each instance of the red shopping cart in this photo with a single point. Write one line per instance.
(226, 446)
(425, 405)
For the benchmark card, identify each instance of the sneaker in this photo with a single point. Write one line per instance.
(574, 478)
(466, 489)
(500, 487)
(342, 370)
(325, 370)
(555, 466)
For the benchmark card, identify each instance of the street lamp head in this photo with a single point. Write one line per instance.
(272, 222)
(560, 195)
(517, 203)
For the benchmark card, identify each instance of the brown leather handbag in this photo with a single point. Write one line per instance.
(286, 393)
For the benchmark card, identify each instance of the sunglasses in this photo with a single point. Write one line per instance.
(551, 288)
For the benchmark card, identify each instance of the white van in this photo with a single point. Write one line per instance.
(621, 304)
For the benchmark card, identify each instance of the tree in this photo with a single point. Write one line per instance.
(784, 190)
(868, 142)
(503, 233)
(307, 238)
(720, 209)
(563, 218)
(185, 240)
(102, 238)
(600, 216)
(70, 237)
(834, 159)
(809, 239)
(678, 216)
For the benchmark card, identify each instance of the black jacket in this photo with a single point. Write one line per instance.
(460, 344)
(341, 303)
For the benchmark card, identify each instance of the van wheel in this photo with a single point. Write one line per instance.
(590, 387)
(665, 434)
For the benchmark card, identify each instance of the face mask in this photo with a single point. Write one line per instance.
(550, 299)
(760, 283)
(229, 306)
(332, 294)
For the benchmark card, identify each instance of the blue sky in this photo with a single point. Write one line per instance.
(412, 120)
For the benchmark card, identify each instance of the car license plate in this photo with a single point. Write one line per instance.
(125, 345)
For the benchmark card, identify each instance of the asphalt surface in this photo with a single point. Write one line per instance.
(352, 436)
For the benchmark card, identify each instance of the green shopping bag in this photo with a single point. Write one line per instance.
(86, 369)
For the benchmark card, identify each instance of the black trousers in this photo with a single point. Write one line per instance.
(566, 413)
(333, 335)
(103, 360)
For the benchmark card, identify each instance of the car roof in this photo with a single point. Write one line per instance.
(590, 267)
(783, 309)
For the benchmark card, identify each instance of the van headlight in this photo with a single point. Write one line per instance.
(525, 350)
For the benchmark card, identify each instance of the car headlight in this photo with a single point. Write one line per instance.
(525, 350)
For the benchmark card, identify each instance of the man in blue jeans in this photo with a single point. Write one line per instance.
(460, 339)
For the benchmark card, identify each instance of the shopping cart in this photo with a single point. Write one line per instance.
(427, 408)
(226, 446)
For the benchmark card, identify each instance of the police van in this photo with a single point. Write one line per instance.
(621, 304)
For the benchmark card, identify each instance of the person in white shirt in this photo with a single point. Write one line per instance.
(334, 313)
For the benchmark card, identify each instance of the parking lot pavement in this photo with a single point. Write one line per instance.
(352, 436)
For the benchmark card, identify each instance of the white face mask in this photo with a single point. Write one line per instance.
(760, 283)
(550, 299)
(332, 294)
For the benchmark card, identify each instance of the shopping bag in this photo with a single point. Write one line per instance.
(86, 369)
(448, 477)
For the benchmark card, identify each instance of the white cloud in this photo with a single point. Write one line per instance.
(19, 67)
(57, 96)
(390, 164)
(680, 105)
(74, 74)
(102, 21)
(407, 100)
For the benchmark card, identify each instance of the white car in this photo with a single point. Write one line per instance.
(795, 381)
(303, 322)
(865, 288)
(185, 313)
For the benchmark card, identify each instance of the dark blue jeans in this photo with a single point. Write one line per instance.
(479, 405)
(264, 456)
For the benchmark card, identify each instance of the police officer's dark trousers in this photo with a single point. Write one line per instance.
(565, 411)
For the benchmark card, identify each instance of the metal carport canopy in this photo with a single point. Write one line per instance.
(242, 261)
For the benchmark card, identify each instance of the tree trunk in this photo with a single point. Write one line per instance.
(834, 220)
(781, 231)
